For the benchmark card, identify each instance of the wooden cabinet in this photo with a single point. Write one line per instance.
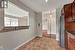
(73, 10)
(71, 42)
(69, 16)
(67, 10)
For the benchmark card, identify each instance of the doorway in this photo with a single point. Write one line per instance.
(49, 24)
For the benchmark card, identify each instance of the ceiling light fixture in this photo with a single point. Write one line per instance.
(46, 1)
(3, 3)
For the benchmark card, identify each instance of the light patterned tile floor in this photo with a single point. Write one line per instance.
(43, 43)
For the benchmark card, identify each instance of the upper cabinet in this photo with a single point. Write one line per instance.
(69, 12)
(73, 10)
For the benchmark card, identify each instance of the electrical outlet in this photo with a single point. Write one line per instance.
(1, 48)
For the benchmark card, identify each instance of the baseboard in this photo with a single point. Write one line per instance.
(24, 43)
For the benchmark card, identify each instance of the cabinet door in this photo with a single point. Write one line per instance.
(71, 42)
(67, 15)
(73, 10)
(67, 11)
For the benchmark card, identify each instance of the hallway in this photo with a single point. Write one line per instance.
(37, 24)
(43, 43)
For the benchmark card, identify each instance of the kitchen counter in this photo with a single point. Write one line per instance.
(14, 28)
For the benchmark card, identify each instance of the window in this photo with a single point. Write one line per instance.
(10, 21)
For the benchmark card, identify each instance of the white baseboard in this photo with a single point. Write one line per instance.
(24, 43)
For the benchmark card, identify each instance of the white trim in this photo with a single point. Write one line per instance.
(24, 43)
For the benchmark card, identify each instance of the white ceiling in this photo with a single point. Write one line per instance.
(15, 11)
(41, 5)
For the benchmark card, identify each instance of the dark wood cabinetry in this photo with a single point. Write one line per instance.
(69, 16)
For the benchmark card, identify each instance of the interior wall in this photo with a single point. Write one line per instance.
(11, 40)
(60, 27)
(39, 23)
(58, 14)
(1, 18)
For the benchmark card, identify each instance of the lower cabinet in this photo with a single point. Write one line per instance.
(71, 42)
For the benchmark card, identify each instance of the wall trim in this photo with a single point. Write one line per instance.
(24, 43)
